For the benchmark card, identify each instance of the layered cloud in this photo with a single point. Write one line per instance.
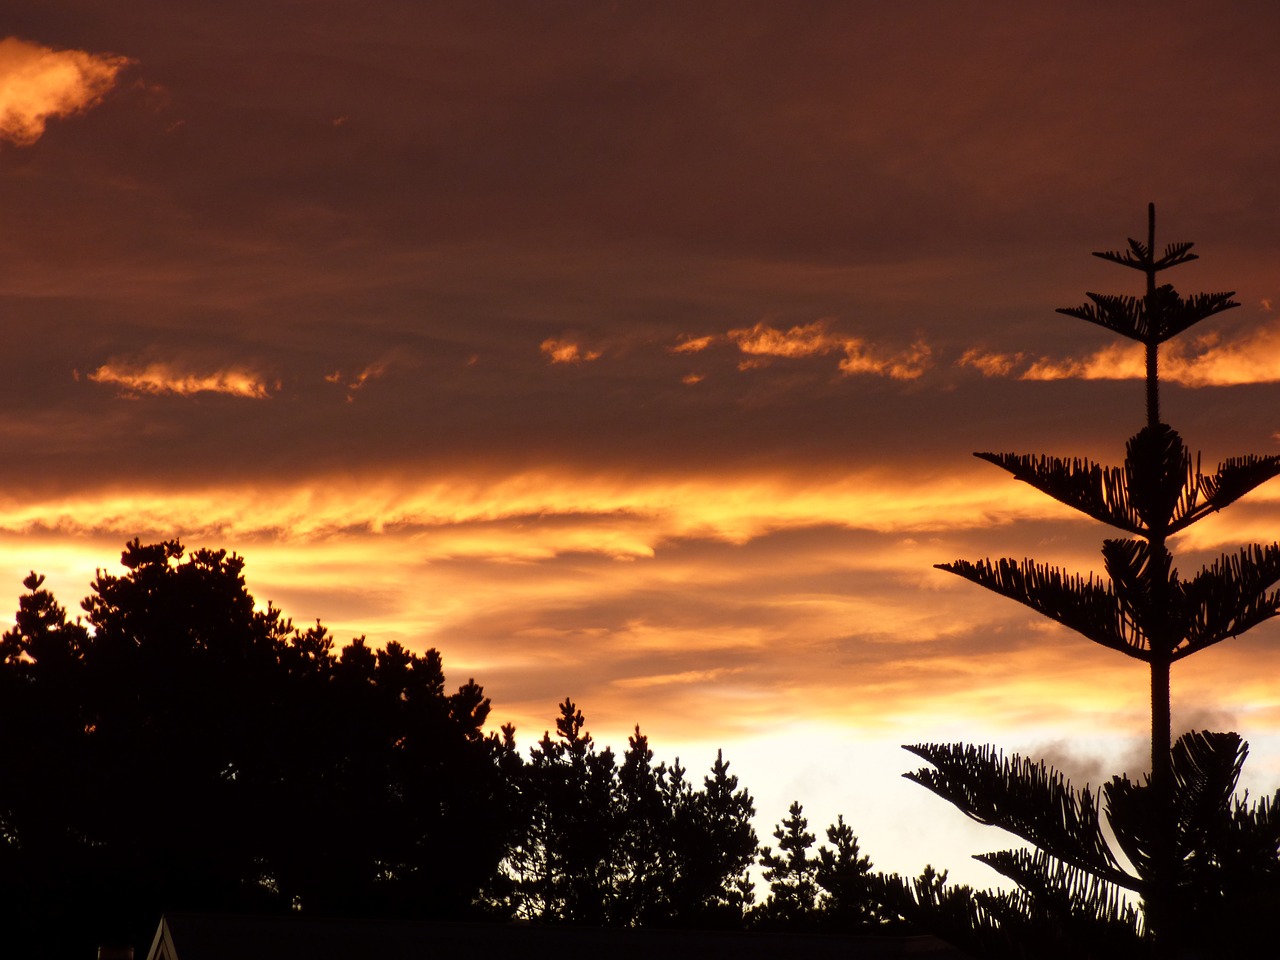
(159, 378)
(541, 514)
(797, 611)
(38, 83)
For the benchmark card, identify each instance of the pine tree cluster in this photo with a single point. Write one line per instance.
(180, 749)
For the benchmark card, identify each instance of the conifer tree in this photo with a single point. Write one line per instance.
(791, 873)
(1197, 855)
(626, 844)
(564, 868)
(842, 873)
(645, 864)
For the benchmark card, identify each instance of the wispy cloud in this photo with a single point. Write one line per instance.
(357, 381)
(1252, 356)
(692, 344)
(762, 341)
(908, 364)
(567, 351)
(992, 364)
(38, 83)
(668, 679)
(545, 513)
(165, 378)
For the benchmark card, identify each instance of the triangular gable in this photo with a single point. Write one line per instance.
(162, 943)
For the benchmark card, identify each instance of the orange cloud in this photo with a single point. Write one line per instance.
(816, 339)
(666, 679)
(1206, 361)
(541, 514)
(1118, 361)
(566, 351)
(38, 83)
(692, 345)
(909, 364)
(164, 378)
(806, 340)
(991, 364)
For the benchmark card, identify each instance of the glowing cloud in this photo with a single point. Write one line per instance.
(816, 339)
(907, 364)
(541, 513)
(806, 340)
(37, 83)
(1119, 361)
(692, 345)
(566, 351)
(1207, 361)
(991, 364)
(164, 378)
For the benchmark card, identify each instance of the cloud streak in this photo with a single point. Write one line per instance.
(764, 342)
(545, 514)
(38, 83)
(159, 379)
(1211, 360)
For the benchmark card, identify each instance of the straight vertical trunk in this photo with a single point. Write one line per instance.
(1161, 915)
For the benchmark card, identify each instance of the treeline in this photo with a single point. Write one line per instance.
(178, 748)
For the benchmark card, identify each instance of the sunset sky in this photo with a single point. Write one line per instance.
(636, 351)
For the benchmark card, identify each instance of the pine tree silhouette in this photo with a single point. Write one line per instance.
(1197, 855)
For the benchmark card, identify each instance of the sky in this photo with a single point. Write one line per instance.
(636, 352)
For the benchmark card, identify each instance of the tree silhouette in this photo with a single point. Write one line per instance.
(562, 870)
(843, 874)
(791, 873)
(828, 890)
(187, 750)
(625, 844)
(716, 845)
(646, 862)
(1192, 848)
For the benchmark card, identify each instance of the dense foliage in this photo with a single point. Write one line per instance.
(183, 749)
(180, 748)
